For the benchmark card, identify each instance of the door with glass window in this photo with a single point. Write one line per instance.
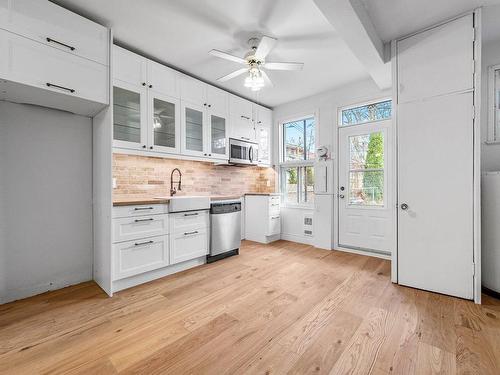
(164, 123)
(366, 194)
(218, 147)
(193, 129)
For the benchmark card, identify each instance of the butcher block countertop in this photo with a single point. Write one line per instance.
(138, 200)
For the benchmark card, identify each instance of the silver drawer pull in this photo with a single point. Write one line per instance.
(188, 233)
(143, 243)
(275, 217)
(275, 204)
(193, 214)
(142, 208)
(60, 87)
(141, 220)
(50, 40)
(246, 118)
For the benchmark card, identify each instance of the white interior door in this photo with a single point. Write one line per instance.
(366, 197)
(436, 159)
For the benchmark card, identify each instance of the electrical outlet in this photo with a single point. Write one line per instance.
(268, 183)
(114, 183)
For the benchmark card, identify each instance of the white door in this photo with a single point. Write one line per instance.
(436, 159)
(366, 197)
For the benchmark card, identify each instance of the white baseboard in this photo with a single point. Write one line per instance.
(33, 290)
(361, 252)
(296, 238)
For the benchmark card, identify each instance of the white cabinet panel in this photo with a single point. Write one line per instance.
(186, 221)
(437, 61)
(135, 257)
(217, 100)
(274, 225)
(129, 67)
(53, 25)
(241, 114)
(35, 64)
(131, 228)
(188, 244)
(162, 79)
(264, 141)
(193, 91)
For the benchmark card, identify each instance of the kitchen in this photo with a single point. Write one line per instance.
(233, 204)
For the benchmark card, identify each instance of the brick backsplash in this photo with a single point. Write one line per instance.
(149, 176)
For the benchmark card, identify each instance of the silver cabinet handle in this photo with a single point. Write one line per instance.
(189, 233)
(50, 40)
(245, 117)
(193, 214)
(275, 204)
(60, 87)
(275, 217)
(141, 220)
(142, 208)
(143, 243)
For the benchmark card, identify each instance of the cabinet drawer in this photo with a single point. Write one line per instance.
(135, 257)
(146, 209)
(131, 228)
(39, 65)
(274, 225)
(188, 221)
(274, 207)
(188, 245)
(48, 23)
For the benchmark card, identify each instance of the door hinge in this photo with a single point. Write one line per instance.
(473, 34)
(473, 112)
(473, 269)
(473, 67)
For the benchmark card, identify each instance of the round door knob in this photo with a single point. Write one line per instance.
(404, 206)
(144, 83)
(150, 147)
(341, 196)
(150, 86)
(143, 146)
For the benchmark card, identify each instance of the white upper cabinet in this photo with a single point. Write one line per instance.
(263, 116)
(193, 91)
(241, 115)
(162, 79)
(263, 125)
(129, 67)
(48, 23)
(217, 100)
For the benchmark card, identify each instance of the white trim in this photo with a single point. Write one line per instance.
(361, 252)
(307, 240)
(394, 255)
(491, 136)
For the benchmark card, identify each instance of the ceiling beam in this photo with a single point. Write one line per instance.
(353, 25)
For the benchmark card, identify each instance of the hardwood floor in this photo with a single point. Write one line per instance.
(283, 308)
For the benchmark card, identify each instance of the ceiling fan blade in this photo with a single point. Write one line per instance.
(267, 80)
(284, 66)
(266, 44)
(232, 75)
(227, 56)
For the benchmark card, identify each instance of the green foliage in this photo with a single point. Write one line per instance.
(292, 176)
(375, 160)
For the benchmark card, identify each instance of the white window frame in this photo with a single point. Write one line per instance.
(283, 165)
(493, 138)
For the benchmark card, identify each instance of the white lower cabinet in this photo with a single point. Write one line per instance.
(189, 235)
(138, 256)
(129, 228)
(262, 218)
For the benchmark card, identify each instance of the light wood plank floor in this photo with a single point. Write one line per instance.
(283, 308)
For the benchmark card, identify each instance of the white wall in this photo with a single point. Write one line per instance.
(45, 200)
(326, 106)
(490, 154)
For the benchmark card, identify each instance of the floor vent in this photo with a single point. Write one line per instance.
(308, 225)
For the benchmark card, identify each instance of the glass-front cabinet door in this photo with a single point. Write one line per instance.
(218, 147)
(193, 130)
(164, 123)
(129, 114)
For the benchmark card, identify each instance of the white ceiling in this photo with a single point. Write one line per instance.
(396, 18)
(181, 32)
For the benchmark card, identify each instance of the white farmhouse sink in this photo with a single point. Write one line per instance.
(188, 203)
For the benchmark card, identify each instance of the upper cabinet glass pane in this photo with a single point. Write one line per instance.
(367, 113)
(126, 115)
(264, 144)
(164, 123)
(299, 140)
(194, 130)
(218, 134)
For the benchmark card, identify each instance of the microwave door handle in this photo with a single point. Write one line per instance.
(250, 154)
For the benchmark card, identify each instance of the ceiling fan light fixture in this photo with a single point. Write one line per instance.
(254, 80)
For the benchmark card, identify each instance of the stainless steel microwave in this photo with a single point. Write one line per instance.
(243, 152)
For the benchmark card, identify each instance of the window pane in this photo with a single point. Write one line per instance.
(366, 188)
(293, 136)
(310, 139)
(164, 123)
(367, 113)
(366, 151)
(307, 188)
(126, 115)
(290, 178)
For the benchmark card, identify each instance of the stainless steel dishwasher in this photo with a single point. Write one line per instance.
(225, 230)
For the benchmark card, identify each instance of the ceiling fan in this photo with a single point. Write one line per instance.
(255, 61)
